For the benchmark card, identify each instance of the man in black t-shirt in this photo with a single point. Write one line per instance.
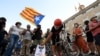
(38, 34)
(54, 36)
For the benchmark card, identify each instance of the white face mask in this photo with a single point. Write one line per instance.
(56, 27)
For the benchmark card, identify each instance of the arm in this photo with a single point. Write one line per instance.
(10, 30)
(48, 38)
(91, 28)
(23, 32)
(77, 32)
(41, 32)
(34, 30)
(81, 32)
(6, 35)
(73, 33)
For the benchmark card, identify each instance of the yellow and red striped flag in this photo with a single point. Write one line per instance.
(30, 15)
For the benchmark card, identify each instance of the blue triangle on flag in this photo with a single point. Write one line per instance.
(38, 18)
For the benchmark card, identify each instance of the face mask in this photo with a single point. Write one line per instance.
(56, 27)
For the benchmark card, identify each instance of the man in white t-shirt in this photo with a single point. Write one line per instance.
(14, 32)
(27, 34)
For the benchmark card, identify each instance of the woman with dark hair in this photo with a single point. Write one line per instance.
(90, 38)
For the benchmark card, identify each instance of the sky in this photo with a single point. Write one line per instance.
(52, 9)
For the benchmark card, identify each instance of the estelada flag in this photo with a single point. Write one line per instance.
(31, 15)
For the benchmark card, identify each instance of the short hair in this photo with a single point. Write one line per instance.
(28, 25)
(39, 26)
(18, 23)
(76, 24)
(3, 18)
(86, 22)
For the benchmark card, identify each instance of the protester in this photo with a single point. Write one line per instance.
(3, 36)
(90, 38)
(79, 41)
(94, 27)
(54, 36)
(14, 32)
(37, 34)
(27, 34)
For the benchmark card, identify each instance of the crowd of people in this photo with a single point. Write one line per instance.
(18, 41)
(92, 32)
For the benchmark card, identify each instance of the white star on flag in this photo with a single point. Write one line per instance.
(37, 18)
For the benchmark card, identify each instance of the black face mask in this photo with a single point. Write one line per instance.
(38, 28)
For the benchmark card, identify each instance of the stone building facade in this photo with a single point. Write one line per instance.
(82, 15)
